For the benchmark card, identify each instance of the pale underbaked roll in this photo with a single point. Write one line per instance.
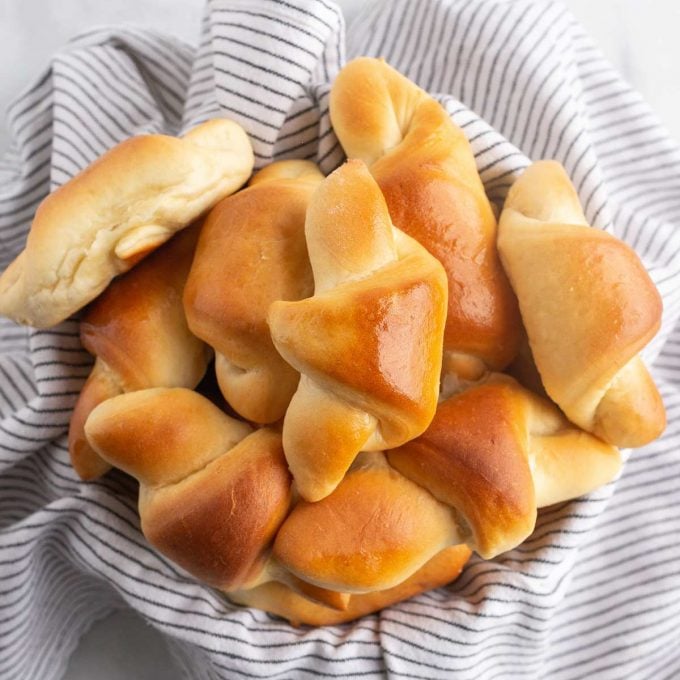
(124, 205)
(252, 251)
(368, 343)
(588, 306)
(277, 598)
(139, 335)
(426, 171)
(495, 453)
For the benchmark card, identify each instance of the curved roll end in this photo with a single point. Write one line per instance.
(322, 435)
(371, 105)
(566, 462)
(348, 228)
(99, 387)
(545, 193)
(631, 412)
(30, 302)
(234, 152)
(225, 135)
(12, 303)
(571, 464)
(161, 435)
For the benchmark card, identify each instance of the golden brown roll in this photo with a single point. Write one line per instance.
(426, 170)
(495, 453)
(212, 492)
(124, 205)
(492, 455)
(137, 331)
(218, 499)
(277, 598)
(252, 251)
(368, 342)
(588, 306)
(372, 533)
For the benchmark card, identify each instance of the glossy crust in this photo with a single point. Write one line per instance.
(121, 207)
(218, 499)
(278, 599)
(426, 171)
(139, 335)
(219, 522)
(101, 384)
(212, 493)
(162, 435)
(368, 343)
(497, 452)
(252, 251)
(588, 305)
(374, 531)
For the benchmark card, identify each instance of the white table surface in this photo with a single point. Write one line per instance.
(640, 37)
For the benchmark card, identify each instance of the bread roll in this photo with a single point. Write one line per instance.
(212, 492)
(426, 171)
(373, 532)
(588, 306)
(218, 499)
(279, 599)
(124, 205)
(138, 333)
(495, 453)
(252, 251)
(368, 342)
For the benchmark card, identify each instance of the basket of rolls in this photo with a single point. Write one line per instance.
(332, 390)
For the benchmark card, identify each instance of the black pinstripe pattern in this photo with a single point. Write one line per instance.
(593, 592)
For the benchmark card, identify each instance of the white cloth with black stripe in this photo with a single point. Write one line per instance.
(595, 591)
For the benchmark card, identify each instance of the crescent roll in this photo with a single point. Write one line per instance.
(213, 493)
(368, 343)
(374, 511)
(492, 455)
(139, 335)
(279, 599)
(251, 252)
(124, 205)
(426, 170)
(495, 453)
(588, 306)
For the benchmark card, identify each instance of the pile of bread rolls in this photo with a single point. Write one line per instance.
(368, 432)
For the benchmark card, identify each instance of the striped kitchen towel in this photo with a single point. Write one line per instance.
(594, 592)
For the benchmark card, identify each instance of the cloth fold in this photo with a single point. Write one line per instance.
(594, 591)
